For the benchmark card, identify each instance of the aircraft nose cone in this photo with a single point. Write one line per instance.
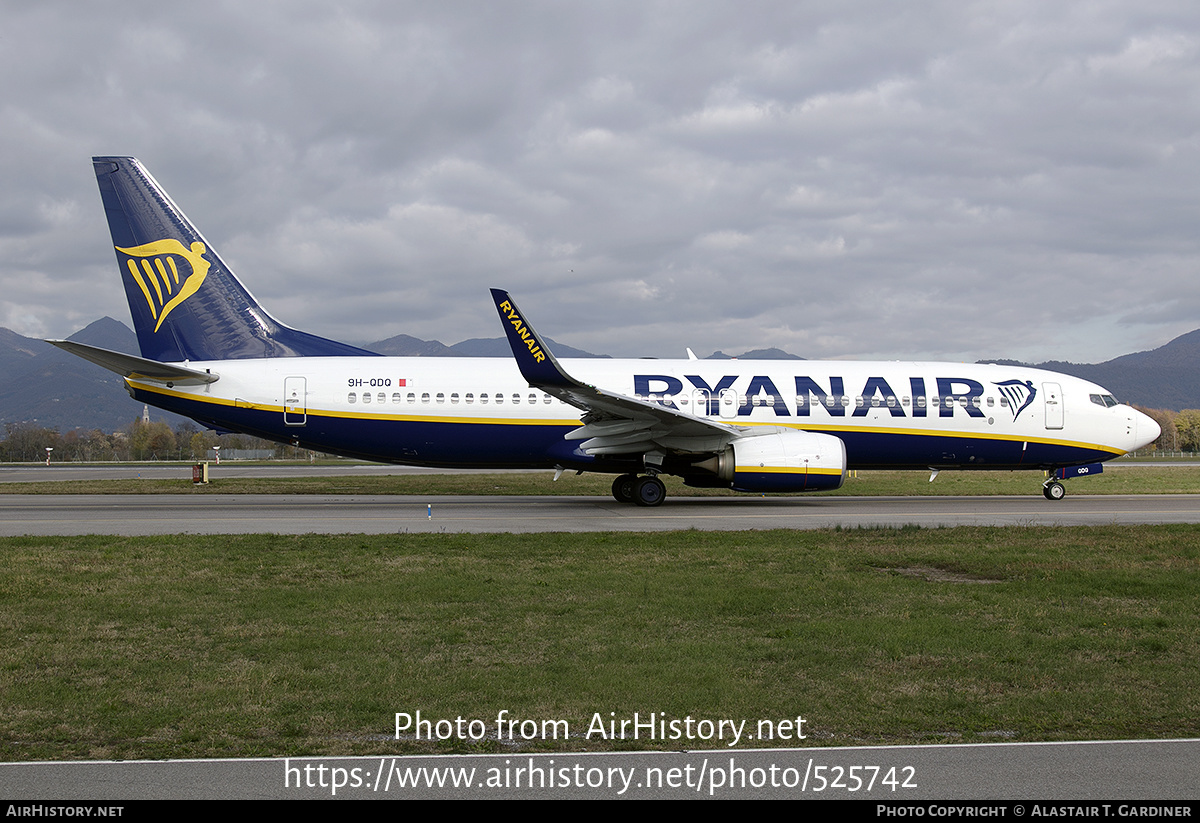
(1146, 431)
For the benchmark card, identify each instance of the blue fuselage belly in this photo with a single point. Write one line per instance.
(884, 450)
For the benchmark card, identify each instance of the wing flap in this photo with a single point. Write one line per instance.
(607, 428)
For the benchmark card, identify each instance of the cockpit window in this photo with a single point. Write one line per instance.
(1106, 400)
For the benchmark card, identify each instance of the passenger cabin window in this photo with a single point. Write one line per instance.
(352, 398)
(396, 397)
(412, 397)
(469, 397)
(425, 397)
(366, 397)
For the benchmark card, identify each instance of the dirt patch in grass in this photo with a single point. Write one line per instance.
(939, 575)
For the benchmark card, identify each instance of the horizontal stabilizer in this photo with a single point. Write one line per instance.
(137, 368)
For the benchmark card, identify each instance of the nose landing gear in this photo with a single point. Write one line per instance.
(1053, 490)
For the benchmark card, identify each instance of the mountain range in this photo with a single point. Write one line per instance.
(44, 386)
(1164, 378)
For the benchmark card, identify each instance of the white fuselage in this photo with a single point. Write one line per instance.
(481, 412)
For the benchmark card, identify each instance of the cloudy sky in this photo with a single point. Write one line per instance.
(942, 180)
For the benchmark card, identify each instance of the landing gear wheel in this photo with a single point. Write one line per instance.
(649, 491)
(622, 488)
(1054, 491)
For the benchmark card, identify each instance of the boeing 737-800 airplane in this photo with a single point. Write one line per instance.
(212, 353)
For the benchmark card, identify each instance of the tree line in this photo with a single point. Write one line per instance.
(1180, 429)
(26, 443)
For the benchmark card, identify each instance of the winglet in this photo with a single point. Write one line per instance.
(537, 364)
(542, 371)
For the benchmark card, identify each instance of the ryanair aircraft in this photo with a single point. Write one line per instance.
(212, 353)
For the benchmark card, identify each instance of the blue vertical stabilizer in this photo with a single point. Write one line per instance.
(186, 303)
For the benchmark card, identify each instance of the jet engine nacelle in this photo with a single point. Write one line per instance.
(781, 461)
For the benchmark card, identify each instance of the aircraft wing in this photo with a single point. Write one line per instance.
(137, 368)
(613, 423)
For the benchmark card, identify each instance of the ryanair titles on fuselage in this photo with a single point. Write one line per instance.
(877, 393)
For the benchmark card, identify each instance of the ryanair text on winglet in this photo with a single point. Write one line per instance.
(523, 331)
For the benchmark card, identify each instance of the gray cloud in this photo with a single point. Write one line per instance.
(957, 180)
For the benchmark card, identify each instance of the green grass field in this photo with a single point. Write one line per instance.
(194, 646)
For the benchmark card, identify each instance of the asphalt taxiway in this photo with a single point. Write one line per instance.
(121, 514)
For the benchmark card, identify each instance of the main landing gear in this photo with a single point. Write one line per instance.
(644, 491)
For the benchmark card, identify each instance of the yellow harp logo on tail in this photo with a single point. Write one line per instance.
(158, 276)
